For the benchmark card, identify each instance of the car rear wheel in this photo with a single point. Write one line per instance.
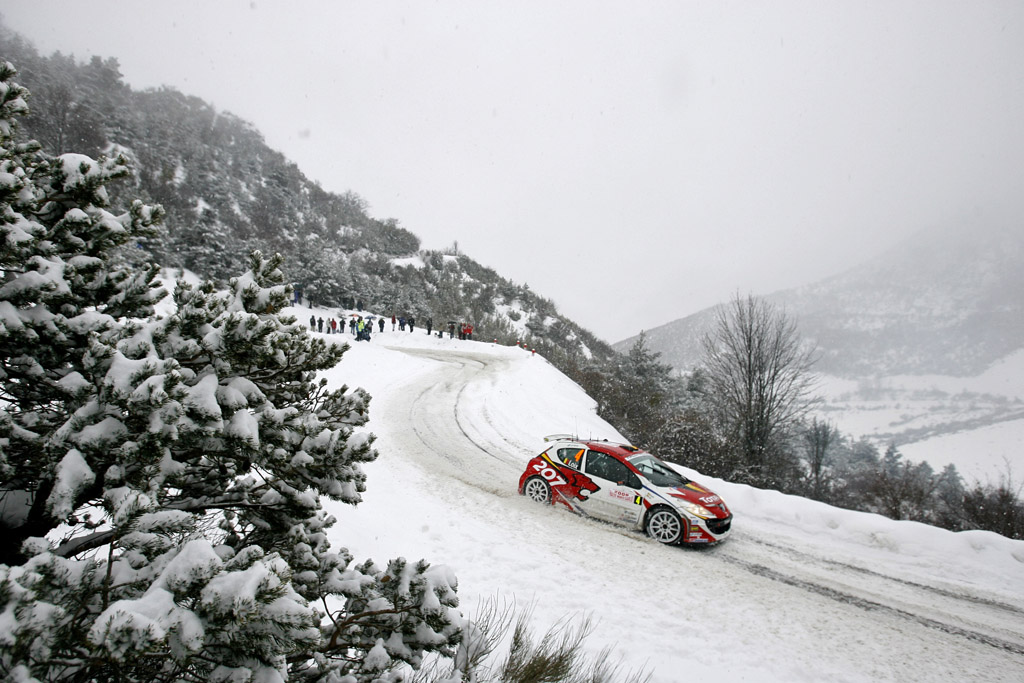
(664, 525)
(538, 490)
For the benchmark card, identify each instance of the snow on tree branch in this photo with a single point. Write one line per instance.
(162, 475)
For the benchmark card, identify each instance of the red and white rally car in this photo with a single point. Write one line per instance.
(621, 484)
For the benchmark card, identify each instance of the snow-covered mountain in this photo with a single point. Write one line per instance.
(801, 591)
(944, 302)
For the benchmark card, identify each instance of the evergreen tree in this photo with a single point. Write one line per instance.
(818, 438)
(641, 395)
(161, 475)
(901, 489)
(949, 503)
(995, 507)
(689, 437)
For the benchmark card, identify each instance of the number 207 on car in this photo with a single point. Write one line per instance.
(550, 474)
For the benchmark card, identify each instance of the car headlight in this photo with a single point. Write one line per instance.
(698, 510)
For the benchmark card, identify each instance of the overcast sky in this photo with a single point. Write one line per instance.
(633, 161)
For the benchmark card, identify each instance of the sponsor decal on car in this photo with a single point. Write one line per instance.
(627, 516)
(574, 483)
(550, 473)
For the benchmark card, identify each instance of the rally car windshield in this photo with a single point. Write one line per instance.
(658, 472)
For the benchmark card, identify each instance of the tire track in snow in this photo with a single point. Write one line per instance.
(456, 409)
(441, 434)
(843, 596)
(976, 618)
(1015, 611)
(464, 377)
(874, 606)
(419, 427)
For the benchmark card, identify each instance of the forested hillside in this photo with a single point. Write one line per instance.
(226, 193)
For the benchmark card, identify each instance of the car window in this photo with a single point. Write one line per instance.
(657, 471)
(606, 467)
(571, 456)
(597, 464)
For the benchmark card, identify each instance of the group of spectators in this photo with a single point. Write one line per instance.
(402, 321)
(358, 326)
(465, 330)
(361, 327)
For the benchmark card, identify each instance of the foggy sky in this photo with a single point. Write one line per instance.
(633, 161)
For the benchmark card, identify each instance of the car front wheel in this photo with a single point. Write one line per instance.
(664, 526)
(536, 489)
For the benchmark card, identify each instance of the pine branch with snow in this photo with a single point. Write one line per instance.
(161, 476)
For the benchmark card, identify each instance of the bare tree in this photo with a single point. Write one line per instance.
(759, 383)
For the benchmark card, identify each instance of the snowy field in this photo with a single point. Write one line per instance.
(800, 592)
(975, 423)
(994, 453)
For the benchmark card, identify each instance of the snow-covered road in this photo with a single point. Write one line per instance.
(800, 592)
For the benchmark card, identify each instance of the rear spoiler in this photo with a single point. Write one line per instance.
(561, 437)
(573, 437)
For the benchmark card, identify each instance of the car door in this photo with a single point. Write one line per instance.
(617, 499)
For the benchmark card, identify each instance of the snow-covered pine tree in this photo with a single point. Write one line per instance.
(640, 395)
(161, 475)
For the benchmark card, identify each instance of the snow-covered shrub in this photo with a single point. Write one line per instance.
(161, 476)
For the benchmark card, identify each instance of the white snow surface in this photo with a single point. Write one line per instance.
(801, 591)
(993, 454)
(984, 430)
(414, 261)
